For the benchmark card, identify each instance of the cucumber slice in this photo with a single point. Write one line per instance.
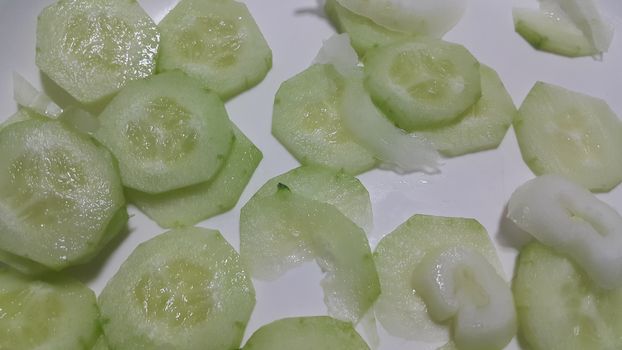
(189, 205)
(183, 289)
(167, 133)
(306, 120)
(306, 333)
(60, 195)
(280, 231)
(483, 126)
(53, 312)
(92, 48)
(423, 82)
(559, 308)
(400, 310)
(216, 42)
(570, 134)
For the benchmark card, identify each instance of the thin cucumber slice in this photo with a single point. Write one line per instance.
(216, 42)
(423, 82)
(400, 310)
(27, 96)
(92, 48)
(306, 120)
(189, 205)
(53, 312)
(60, 195)
(558, 306)
(483, 126)
(184, 289)
(167, 133)
(306, 333)
(280, 231)
(570, 134)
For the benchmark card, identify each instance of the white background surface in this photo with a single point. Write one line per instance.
(476, 185)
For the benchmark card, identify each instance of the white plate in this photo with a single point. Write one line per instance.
(476, 185)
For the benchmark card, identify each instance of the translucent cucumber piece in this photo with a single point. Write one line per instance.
(189, 205)
(400, 310)
(559, 308)
(53, 312)
(306, 333)
(184, 289)
(167, 133)
(483, 126)
(280, 231)
(216, 42)
(92, 48)
(570, 134)
(28, 97)
(306, 120)
(60, 195)
(423, 82)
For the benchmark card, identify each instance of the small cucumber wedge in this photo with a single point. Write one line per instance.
(53, 312)
(166, 132)
(189, 205)
(306, 333)
(216, 42)
(558, 306)
(184, 289)
(570, 134)
(92, 48)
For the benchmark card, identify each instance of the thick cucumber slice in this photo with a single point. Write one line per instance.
(54, 312)
(420, 83)
(399, 308)
(306, 120)
(60, 195)
(283, 230)
(184, 289)
(482, 126)
(92, 48)
(306, 333)
(216, 42)
(570, 134)
(167, 133)
(559, 308)
(189, 205)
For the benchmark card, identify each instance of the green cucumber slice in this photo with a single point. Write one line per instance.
(216, 42)
(306, 333)
(423, 82)
(559, 308)
(60, 195)
(53, 312)
(167, 133)
(92, 48)
(570, 134)
(189, 205)
(306, 120)
(184, 289)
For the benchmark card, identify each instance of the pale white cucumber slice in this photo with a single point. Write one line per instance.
(559, 308)
(401, 310)
(570, 134)
(29, 97)
(338, 51)
(184, 289)
(307, 120)
(483, 126)
(423, 82)
(189, 205)
(60, 195)
(216, 42)
(306, 333)
(166, 132)
(53, 312)
(280, 231)
(92, 48)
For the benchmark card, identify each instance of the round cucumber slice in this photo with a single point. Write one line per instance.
(183, 289)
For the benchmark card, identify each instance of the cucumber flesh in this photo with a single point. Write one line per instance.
(184, 289)
(29, 97)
